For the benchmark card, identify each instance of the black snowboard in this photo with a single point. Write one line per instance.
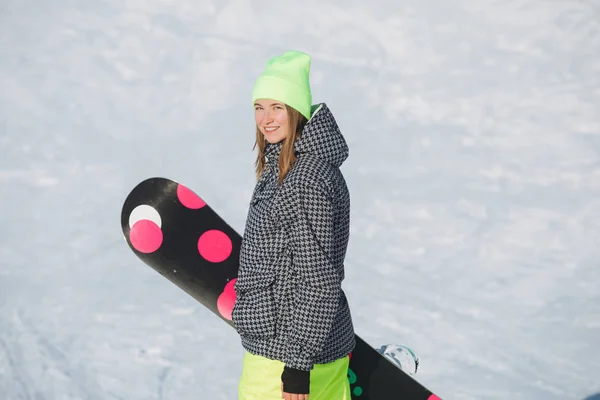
(175, 232)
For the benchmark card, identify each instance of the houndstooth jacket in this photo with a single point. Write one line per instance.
(290, 305)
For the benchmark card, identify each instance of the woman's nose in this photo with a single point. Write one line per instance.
(268, 118)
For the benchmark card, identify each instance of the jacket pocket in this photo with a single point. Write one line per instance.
(254, 313)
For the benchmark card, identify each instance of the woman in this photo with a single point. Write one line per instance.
(291, 312)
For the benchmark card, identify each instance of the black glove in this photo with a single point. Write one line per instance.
(295, 381)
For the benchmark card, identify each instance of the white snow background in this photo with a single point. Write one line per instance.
(474, 130)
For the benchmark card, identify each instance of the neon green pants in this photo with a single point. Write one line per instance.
(261, 379)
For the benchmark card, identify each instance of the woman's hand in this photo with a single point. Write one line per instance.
(297, 381)
(291, 396)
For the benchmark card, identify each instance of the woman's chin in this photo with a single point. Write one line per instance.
(273, 139)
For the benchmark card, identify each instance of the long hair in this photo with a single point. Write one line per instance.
(287, 158)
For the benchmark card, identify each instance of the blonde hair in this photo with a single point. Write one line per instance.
(287, 158)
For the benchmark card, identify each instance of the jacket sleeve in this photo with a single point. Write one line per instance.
(316, 297)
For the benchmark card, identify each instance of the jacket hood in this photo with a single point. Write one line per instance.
(320, 137)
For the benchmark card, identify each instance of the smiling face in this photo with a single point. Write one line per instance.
(272, 119)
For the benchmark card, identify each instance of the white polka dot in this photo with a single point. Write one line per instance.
(142, 212)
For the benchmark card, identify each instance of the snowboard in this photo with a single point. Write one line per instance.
(175, 232)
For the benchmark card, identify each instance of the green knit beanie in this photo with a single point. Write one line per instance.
(286, 79)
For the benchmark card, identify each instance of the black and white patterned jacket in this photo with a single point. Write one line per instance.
(290, 305)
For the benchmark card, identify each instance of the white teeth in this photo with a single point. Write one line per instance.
(270, 129)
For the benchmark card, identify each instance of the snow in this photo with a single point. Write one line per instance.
(474, 131)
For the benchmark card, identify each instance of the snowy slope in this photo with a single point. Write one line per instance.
(474, 129)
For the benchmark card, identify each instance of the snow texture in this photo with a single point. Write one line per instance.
(474, 170)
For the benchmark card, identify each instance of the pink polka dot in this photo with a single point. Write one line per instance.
(145, 236)
(214, 246)
(226, 300)
(433, 397)
(188, 198)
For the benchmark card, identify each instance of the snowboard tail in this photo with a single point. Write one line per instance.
(172, 230)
